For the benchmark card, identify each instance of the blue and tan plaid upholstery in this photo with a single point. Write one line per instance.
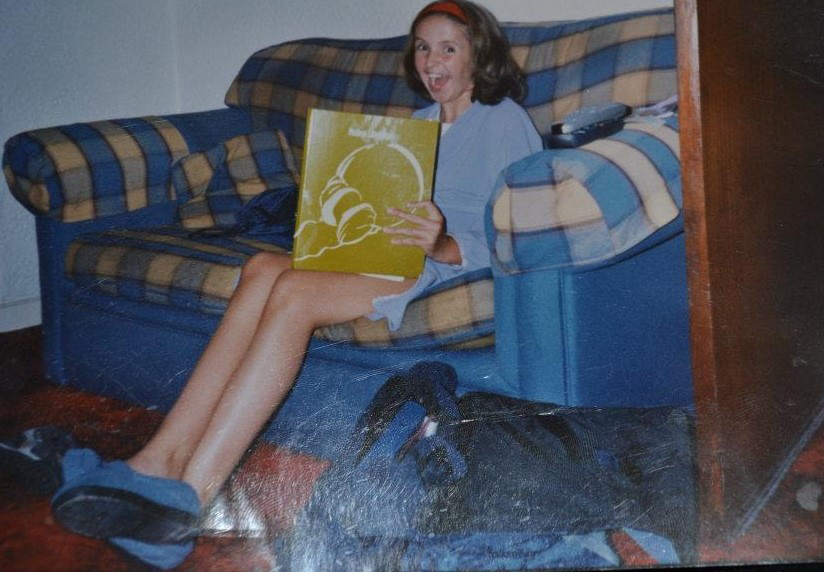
(571, 207)
(361, 76)
(457, 314)
(212, 185)
(170, 266)
(88, 170)
(626, 58)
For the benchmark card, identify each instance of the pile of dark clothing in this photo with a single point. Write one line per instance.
(432, 481)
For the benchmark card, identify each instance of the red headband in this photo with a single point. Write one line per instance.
(445, 8)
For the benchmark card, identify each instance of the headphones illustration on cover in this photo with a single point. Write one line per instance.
(377, 169)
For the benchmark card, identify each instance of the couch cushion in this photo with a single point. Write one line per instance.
(171, 266)
(626, 57)
(571, 207)
(457, 314)
(629, 58)
(362, 76)
(212, 185)
(88, 170)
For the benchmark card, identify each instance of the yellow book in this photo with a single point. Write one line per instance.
(355, 166)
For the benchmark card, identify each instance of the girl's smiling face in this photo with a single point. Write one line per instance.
(443, 60)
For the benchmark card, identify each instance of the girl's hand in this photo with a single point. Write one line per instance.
(428, 233)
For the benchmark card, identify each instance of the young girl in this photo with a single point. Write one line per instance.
(149, 504)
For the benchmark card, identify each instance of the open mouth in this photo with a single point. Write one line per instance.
(436, 81)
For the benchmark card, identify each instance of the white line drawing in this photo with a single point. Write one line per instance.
(343, 209)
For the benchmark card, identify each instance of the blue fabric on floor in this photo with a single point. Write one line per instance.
(517, 551)
(163, 556)
(656, 546)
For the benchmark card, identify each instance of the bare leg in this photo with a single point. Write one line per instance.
(299, 302)
(172, 445)
(249, 366)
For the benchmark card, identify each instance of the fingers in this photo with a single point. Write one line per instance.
(433, 213)
(407, 231)
(432, 210)
(423, 232)
(428, 246)
(406, 216)
(409, 242)
(410, 235)
(431, 226)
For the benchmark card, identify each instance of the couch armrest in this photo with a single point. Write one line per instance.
(563, 208)
(87, 171)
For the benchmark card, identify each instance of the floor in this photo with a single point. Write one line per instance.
(789, 529)
(31, 540)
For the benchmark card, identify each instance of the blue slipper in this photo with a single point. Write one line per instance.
(109, 499)
(163, 556)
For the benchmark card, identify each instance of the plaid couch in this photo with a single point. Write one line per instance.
(585, 302)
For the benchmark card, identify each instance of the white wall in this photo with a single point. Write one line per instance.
(209, 57)
(63, 61)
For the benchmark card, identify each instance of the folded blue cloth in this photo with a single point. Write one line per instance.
(163, 556)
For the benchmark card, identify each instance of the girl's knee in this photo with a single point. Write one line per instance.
(294, 293)
(265, 266)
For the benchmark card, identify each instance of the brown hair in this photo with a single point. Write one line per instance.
(495, 73)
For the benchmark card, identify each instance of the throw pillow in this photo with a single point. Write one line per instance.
(211, 186)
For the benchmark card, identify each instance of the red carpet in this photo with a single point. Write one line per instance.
(272, 484)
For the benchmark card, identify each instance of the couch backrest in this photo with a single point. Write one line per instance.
(627, 57)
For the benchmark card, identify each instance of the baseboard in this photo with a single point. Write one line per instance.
(19, 315)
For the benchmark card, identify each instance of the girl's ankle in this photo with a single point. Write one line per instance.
(157, 466)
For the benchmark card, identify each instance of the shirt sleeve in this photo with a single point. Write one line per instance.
(516, 138)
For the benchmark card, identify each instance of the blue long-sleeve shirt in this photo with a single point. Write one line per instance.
(472, 153)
